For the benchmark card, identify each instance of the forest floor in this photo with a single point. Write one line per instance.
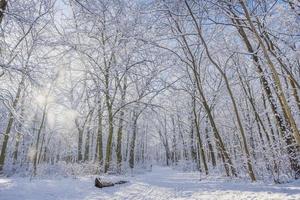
(161, 183)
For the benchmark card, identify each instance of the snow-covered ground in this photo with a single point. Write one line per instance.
(161, 183)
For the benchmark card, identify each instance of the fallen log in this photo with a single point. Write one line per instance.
(101, 183)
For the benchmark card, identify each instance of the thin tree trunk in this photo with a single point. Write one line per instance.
(19, 131)
(110, 119)
(192, 147)
(132, 143)
(35, 158)
(109, 140)
(41, 148)
(80, 129)
(11, 119)
(210, 147)
(99, 137)
(174, 155)
(79, 147)
(88, 141)
(184, 146)
(202, 153)
(120, 130)
(87, 146)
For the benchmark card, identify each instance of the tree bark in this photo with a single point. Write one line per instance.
(202, 153)
(99, 137)
(38, 140)
(120, 129)
(132, 143)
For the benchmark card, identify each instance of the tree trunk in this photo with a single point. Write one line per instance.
(184, 146)
(99, 137)
(109, 140)
(79, 147)
(87, 146)
(108, 101)
(192, 147)
(38, 140)
(201, 150)
(120, 130)
(11, 119)
(174, 155)
(132, 143)
(19, 131)
(210, 147)
(164, 139)
(41, 148)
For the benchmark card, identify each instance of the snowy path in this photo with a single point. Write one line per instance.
(161, 183)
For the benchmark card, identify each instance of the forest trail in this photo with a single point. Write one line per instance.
(161, 183)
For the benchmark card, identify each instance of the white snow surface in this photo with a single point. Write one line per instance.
(161, 183)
